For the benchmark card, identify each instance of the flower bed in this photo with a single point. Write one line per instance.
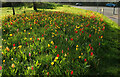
(50, 43)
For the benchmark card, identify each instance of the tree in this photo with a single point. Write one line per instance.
(12, 5)
(34, 5)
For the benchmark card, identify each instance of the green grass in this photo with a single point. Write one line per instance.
(110, 50)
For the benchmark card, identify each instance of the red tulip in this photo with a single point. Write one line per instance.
(90, 47)
(57, 55)
(89, 44)
(13, 45)
(62, 51)
(90, 35)
(91, 53)
(80, 33)
(26, 43)
(101, 19)
(32, 67)
(5, 23)
(0, 67)
(71, 72)
(55, 46)
(36, 22)
(42, 35)
(71, 39)
(80, 29)
(38, 39)
(68, 48)
(99, 43)
(102, 29)
(76, 31)
(85, 60)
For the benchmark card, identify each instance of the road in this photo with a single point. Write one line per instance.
(108, 11)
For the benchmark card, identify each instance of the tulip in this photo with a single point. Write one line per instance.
(29, 54)
(0, 67)
(71, 39)
(85, 60)
(79, 57)
(62, 51)
(52, 63)
(32, 68)
(71, 72)
(11, 34)
(90, 35)
(7, 49)
(30, 38)
(55, 46)
(66, 39)
(57, 55)
(76, 45)
(91, 53)
(13, 45)
(12, 65)
(3, 61)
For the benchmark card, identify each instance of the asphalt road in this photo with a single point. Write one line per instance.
(108, 11)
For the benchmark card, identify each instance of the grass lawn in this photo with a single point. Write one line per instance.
(109, 51)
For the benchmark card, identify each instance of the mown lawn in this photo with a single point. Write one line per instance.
(108, 52)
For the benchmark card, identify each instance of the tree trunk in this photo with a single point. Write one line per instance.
(34, 5)
(12, 4)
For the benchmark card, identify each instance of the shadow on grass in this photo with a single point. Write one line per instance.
(109, 54)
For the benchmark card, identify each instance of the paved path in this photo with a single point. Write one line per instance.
(108, 11)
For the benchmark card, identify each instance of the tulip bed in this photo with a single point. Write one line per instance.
(50, 43)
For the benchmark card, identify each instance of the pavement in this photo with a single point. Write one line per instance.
(107, 11)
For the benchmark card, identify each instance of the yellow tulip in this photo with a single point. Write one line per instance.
(24, 30)
(20, 46)
(56, 58)
(14, 47)
(52, 42)
(79, 57)
(52, 63)
(43, 38)
(76, 45)
(31, 28)
(3, 61)
(30, 38)
(11, 35)
(76, 49)
(52, 35)
(81, 53)
(48, 45)
(11, 58)
(55, 30)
